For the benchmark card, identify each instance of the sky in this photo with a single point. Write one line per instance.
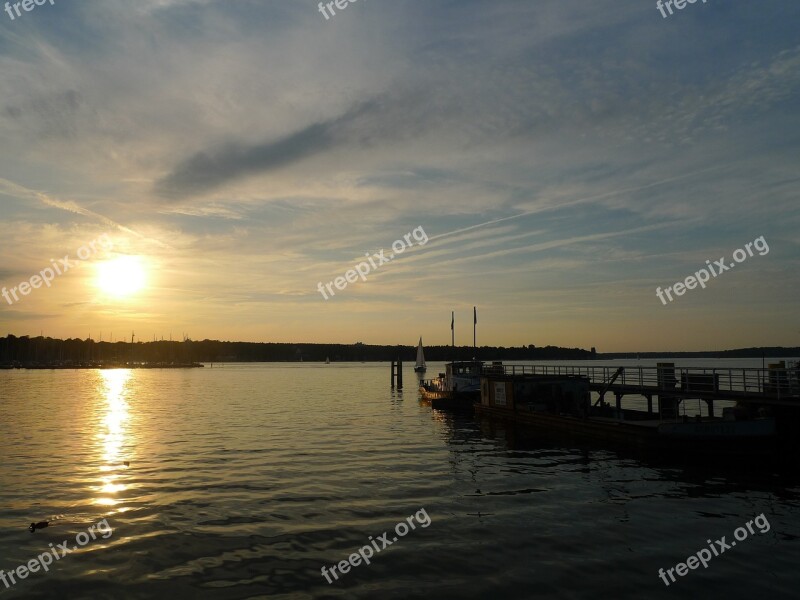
(559, 161)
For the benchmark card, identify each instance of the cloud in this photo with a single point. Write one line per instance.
(208, 170)
(271, 147)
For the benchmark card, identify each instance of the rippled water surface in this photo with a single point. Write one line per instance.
(244, 481)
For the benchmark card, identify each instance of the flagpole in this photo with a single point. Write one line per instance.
(474, 326)
(452, 328)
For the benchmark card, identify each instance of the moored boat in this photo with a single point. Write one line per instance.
(458, 388)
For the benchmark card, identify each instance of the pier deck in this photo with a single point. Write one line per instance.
(778, 387)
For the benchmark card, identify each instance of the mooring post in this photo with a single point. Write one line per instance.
(399, 374)
(392, 374)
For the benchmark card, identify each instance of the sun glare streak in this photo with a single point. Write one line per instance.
(113, 433)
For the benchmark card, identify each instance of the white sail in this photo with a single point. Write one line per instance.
(420, 355)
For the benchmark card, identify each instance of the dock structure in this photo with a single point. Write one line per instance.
(778, 387)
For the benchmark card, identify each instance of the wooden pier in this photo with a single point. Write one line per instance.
(778, 387)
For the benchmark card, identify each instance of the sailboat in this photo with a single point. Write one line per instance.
(420, 366)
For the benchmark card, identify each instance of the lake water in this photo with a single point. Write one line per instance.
(243, 481)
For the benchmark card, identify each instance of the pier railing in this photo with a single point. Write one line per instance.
(775, 383)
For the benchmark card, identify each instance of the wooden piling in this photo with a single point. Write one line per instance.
(397, 374)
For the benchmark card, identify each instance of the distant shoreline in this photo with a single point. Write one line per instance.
(45, 352)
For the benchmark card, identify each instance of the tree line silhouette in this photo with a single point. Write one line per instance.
(42, 351)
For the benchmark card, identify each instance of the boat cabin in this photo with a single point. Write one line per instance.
(463, 376)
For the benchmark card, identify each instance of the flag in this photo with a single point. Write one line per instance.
(452, 320)
(475, 315)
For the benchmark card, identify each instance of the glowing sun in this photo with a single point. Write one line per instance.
(121, 277)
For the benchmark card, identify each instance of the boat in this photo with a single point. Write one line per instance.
(562, 403)
(458, 388)
(420, 367)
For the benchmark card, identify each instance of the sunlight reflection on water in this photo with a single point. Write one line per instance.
(113, 392)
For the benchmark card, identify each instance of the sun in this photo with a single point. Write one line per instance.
(121, 277)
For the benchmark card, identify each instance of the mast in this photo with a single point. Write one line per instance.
(474, 325)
